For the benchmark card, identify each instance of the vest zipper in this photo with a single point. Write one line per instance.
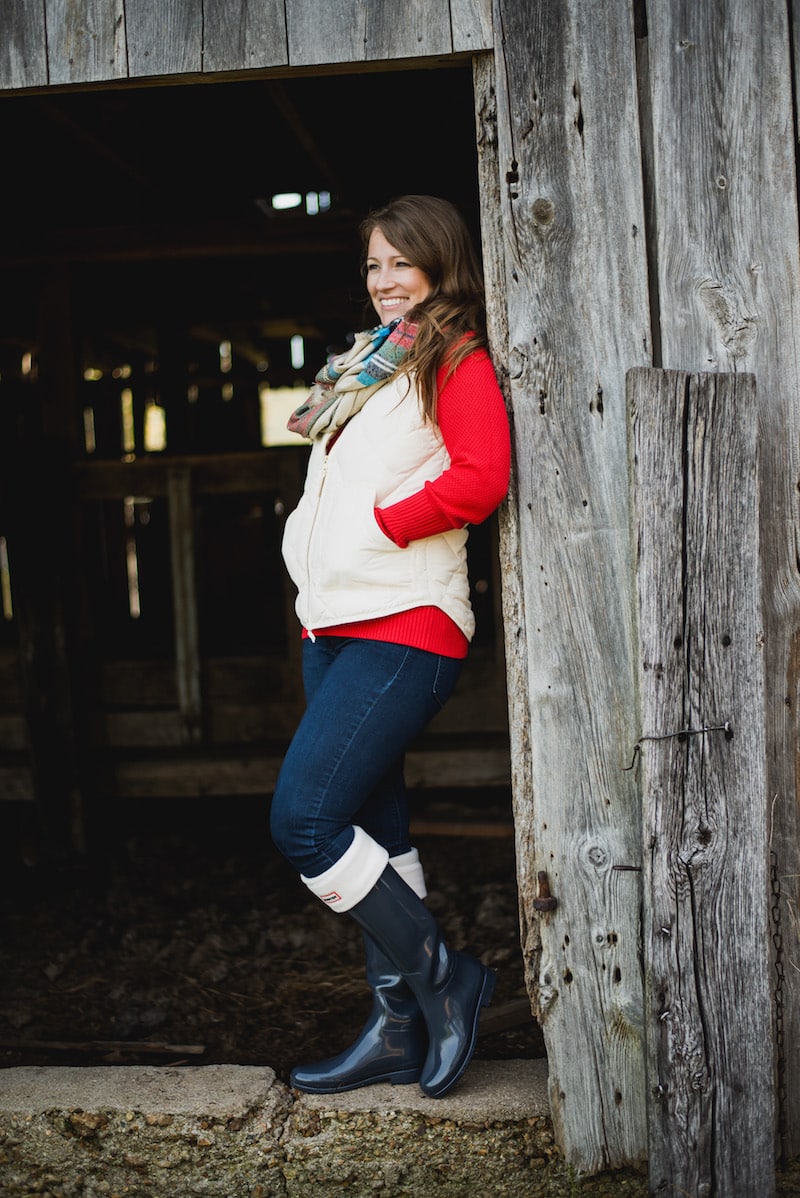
(323, 476)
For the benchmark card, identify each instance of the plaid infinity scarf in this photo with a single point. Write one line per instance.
(345, 383)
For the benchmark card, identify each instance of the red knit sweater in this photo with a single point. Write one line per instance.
(472, 419)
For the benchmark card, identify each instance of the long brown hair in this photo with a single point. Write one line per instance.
(433, 235)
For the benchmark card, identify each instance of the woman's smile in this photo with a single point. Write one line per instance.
(395, 286)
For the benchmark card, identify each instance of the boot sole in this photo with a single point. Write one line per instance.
(485, 997)
(402, 1078)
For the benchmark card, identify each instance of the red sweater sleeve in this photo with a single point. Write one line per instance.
(472, 418)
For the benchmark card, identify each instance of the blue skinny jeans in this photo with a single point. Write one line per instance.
(366, 702)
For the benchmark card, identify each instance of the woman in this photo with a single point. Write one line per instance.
(410, 444)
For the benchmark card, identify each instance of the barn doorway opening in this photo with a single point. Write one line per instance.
(178, 260)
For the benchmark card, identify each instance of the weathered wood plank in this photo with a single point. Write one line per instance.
(231, 723)
(478, 708)
(578, 319)
(212, 474)
(708, 1006)
(270, 722)
(184, 601)
(513, 596)
(472, 24)
(244, 35)
(61, 42)
(351, 31)
(795, 30)
(23, 45)
(137, 683)
(151, 683)
(119, 730)
(256, 774)
(224, 724)
(86, 41)
(164, 38)
(255, 700)
(729, 289)
(185, 778)
(494, 831)
(458, 767)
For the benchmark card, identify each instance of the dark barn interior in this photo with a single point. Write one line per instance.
(160, 307)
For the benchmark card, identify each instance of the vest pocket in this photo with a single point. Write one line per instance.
(291, 547)
(350, 550)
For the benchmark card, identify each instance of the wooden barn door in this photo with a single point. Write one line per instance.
(617, 126)
(570, 317)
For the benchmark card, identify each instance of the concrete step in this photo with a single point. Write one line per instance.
(231, 1131)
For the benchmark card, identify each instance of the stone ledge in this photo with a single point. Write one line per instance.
(224, 1091)
(229, 1131)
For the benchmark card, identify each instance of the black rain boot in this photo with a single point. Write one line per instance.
(450, 987)
(392, 1044)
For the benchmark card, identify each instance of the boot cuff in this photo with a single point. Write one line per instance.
(409, 867)
(353, 875)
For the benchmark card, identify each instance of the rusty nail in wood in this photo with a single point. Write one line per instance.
(545, 901)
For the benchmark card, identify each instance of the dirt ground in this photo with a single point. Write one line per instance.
(182, 929)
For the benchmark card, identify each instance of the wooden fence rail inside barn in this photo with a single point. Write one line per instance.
(632, 168)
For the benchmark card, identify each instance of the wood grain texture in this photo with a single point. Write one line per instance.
(164, 38)
(23, 44)
(578, 318)
(513, 594)
(711, 1114)
(472, 24)
(89, 41)
(244, 35)
(86, 41)
(728, 286)
(351, 31)
(253, 773)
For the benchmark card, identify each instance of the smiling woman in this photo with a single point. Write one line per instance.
(410, 445)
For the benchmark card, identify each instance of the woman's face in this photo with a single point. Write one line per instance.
(394, 285)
